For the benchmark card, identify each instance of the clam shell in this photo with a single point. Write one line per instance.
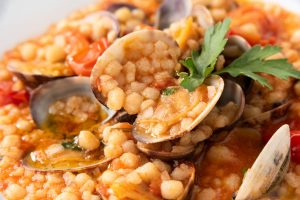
(117, 52)
(171, 11)
(232, 93)
(115, 6)
(27, 163)
(31, 80)
(203, 16)
(189, 184)
(163, 155)
(215, 81)
(103, 14)
(269, 167)
(236, 46)
(48, 93)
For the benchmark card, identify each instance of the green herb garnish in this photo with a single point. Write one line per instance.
(244, 170)
(71, 145)
(201, 64)
(169, 91)
(255, 61)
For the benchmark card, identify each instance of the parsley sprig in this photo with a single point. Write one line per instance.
(201, 64)
(255, 61)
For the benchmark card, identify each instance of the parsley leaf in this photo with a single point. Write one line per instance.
(255, 61)
(201, 65)
(71, 145)
(244, 170)
(169, 91)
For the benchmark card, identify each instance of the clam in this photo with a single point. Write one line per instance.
(67, 155)
(189, 184)
(118, 51)
(232, 93)
(68, 160)
(115, 6)
(183, 152)
(172, 11)
(275, 113)
(148, 130)
(235, 47)
(24, 71)
(269, 167)
(45, 95)
(123, 116)
(103, 14)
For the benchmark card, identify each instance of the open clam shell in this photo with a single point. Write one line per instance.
(215, 81)
(164, 155)
(103, 14)
(115, 6)
(233, 93)
(45, 95)
(273, 114)
(236, 46)
(29, 163)
(269, 167)
(171, 11)
(189, 185)
(117, 52)
(202, 15)
(31, 80)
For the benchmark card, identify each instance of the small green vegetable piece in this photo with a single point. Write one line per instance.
(169, 91)
(244, 170)
(71, 145)
(201, 65)
(255, 61)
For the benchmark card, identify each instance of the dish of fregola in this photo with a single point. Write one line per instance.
(153, 99)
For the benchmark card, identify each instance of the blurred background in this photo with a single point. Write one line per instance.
(20, 19)
(23, 19)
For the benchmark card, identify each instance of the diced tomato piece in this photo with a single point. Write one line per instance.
(294, 124)
(8, 96)
(83, 62)
(295, 146)
(260, 27)
(76, 42)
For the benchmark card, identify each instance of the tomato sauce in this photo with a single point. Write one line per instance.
(294, 123)
(245, 144)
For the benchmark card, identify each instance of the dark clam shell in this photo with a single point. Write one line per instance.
(115, 6)
(31, 80)
(48, 93)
